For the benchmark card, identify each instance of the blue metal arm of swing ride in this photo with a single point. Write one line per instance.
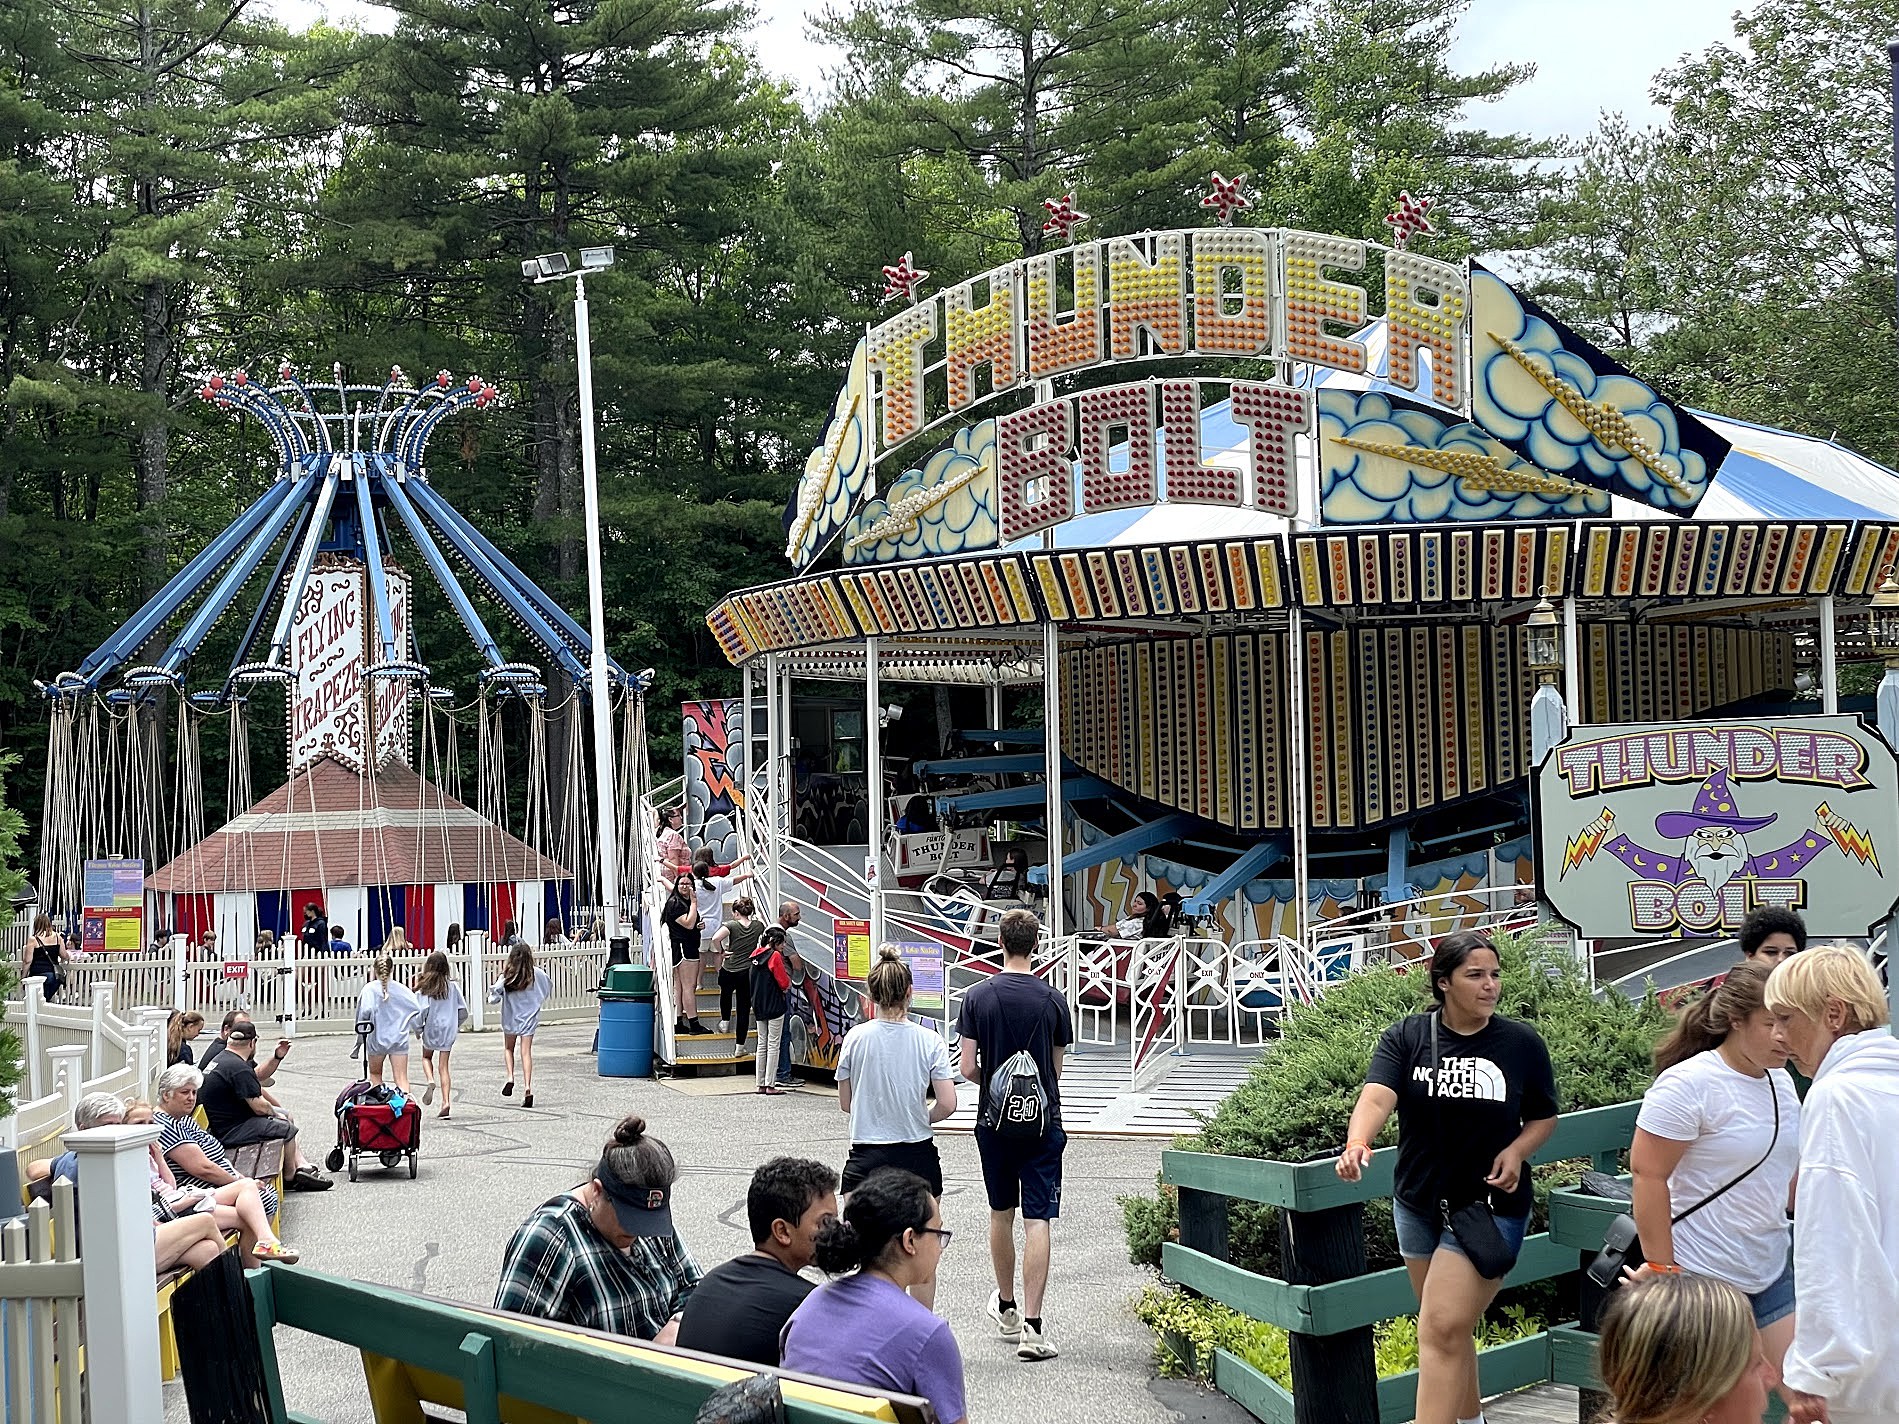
(1247, 867)
(512, 598)
(162, 605)
(1022, 763)
(235, 577)
(450, 521)
(1080, 788)
(306, 557)
(1018, 736)
(372, 557)
(444, 575)
(1143, 837)
(256, 625)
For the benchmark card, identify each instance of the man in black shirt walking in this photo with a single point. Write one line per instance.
(1010, 1013)
(740, 1308)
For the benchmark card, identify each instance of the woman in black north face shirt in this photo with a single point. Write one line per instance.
(1470, 1116)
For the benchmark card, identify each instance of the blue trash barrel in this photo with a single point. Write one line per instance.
(626, 1036)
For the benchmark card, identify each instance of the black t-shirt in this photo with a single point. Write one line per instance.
(229, 1084)
(739, 1310)
(1490, 1085)
(1008, 1013)
(315, 933)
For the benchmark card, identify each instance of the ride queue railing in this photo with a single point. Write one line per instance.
(1328, 1301)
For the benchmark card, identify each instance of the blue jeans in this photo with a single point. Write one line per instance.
(1777, 1301)
(1421, 1234)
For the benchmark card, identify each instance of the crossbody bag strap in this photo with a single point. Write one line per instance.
(1773, 1142)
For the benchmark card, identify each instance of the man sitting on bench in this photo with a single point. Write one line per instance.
(239, 1113)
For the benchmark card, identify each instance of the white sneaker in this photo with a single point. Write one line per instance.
(1008, 1322)
(725, 1025)
(1033, 1345)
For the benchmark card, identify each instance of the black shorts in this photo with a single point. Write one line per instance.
(683, 952)
(1026, 1174)
(918, 1157)
(257, 1129)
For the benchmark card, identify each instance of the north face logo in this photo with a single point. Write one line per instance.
(1476, 1078)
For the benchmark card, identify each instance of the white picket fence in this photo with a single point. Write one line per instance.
(81, 1328)
(318, 993)
(70, 1050)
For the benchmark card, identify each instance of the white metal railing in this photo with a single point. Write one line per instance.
(1404, 930)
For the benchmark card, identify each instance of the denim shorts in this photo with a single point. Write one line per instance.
(1421, 1234)
(1777, 1301)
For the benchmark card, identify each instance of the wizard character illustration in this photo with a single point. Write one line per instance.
(1716, 874)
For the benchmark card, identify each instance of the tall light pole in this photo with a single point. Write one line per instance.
(554, 267)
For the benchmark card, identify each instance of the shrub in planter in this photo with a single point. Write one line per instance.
(1295, 1104)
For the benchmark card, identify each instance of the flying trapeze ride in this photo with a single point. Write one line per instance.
(370, 824)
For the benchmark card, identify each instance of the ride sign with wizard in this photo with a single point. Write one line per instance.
(1680, 829)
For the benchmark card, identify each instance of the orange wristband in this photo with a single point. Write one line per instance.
(1357, 1142)
(1662, 1270)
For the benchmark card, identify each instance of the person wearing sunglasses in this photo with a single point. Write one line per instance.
(865, 1328)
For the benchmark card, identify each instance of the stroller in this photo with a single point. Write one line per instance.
(377, 1120)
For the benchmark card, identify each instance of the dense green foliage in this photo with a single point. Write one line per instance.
(1298, 1098)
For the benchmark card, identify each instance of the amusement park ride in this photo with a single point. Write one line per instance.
(1313, 548)
(370, 825)
(1265, 516)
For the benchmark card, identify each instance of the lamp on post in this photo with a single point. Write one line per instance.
(555, 267)
(1543, 651)
(1882, 631)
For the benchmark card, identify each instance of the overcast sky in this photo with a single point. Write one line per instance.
(1589, 58)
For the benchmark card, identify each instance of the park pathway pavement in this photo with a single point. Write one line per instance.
(493, 1161)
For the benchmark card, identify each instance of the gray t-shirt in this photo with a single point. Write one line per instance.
(890, 1067)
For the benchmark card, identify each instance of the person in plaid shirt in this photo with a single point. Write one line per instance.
(605, 1255)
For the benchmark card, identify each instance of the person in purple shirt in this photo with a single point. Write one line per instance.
(865, 1328)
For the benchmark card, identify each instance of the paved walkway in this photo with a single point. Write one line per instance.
(1098, 1100)
(485, 1168)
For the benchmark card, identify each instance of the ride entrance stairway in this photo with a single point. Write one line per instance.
(715, 1049)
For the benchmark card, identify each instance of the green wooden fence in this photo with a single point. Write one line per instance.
(502, 1368)
(1330, 1301)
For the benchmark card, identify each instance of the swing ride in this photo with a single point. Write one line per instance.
(372, 825)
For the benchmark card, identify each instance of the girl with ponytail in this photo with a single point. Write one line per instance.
(894, 1079)
(1716, 1145)
(866, 1327)
(386, 1011)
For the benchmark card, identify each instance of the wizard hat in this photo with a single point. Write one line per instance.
(1714, 806)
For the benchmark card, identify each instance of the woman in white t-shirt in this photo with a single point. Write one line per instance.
(894, 1079)
(709, 891)
(1720, 1125)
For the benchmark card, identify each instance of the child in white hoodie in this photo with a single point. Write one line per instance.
(385, 1012)
(1831, 1013)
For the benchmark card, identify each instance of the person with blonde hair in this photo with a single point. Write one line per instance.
(1831, 1014)
(894, 1079)
(386, 1011)
(1716, 1146)
(1682, 1350)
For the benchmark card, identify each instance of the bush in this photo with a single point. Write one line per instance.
(1295, 1104)
(1189, 1330)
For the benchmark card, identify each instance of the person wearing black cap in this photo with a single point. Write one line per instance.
(605, 1255)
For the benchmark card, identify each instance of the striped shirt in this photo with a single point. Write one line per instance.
(176, 1131)
(559, 1267)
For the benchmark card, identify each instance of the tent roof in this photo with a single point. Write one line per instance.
(329, 826)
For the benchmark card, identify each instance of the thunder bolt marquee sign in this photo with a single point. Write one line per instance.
(1651, 831)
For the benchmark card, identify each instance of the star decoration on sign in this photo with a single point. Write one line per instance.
(1411, 217)
(1063, 216)
(1227, 198)
(903, 279)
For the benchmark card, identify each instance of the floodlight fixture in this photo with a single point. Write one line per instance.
(594, 258)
